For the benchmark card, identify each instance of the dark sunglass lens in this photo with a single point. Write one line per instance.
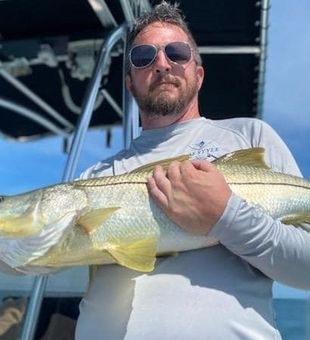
(142, 55)
(178, 52)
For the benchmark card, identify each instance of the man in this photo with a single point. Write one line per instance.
(221, 292)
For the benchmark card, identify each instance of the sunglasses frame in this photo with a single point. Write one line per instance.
(157, 49)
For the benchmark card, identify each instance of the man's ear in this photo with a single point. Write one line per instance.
(200, 75)
(128, 82)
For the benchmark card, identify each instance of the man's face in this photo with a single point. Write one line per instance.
(164, 88)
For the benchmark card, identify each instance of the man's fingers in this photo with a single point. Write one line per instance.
(186, 168)
(173, 171)
(159, 197)
(203, 165)
(161, 180)
(159, 187)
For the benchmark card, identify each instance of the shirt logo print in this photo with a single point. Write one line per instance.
(204, 150)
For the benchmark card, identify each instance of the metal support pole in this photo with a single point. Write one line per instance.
(127, 10)
(131, 127)
(35, 98)
(229, 49)
(35, 302)
(130, 119)
(103, 13)
(36, 117)
(131, 111)
(263, 56)
(90, 98)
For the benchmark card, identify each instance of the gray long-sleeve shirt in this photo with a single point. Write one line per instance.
(221, 292)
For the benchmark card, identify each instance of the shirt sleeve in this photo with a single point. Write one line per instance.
(6, 269)
(282, 252)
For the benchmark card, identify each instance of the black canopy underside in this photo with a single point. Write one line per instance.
(45, 43)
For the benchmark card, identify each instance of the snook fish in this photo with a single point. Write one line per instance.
(113, 220)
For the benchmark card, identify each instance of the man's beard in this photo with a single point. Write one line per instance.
(163, 104)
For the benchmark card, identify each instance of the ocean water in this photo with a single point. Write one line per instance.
(293, 318)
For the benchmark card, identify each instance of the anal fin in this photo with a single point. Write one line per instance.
(139, 255)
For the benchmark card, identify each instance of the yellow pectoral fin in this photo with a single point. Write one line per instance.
(139, 255)
(95, 218)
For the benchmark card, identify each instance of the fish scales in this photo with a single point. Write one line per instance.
(113, 220)
(277, 194)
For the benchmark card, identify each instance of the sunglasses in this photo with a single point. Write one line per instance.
(179, 52)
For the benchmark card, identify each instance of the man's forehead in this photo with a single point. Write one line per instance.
(160, 29)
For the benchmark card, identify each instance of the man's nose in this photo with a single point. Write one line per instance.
(161, 63)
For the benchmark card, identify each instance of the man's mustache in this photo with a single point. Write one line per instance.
(164, 79)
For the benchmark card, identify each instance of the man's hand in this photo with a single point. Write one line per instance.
(193, 194)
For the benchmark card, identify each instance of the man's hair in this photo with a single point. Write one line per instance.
(165, 13)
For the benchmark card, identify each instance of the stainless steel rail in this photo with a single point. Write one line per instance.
(40, 282)
(264, 24)
(130, 120)
(34, 97)
(90, 98)
(36, 117)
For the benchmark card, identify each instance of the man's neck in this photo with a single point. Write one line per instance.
(154, 122)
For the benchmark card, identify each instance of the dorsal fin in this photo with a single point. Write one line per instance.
(163, 162)
(253, 157)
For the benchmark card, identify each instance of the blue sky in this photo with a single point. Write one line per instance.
(287, 90)
(26, 166)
